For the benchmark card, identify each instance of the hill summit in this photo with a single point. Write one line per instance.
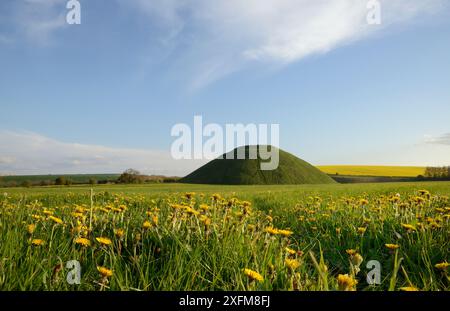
(225, 171)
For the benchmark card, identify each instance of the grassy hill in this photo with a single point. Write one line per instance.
(291, 170)
(366, 170)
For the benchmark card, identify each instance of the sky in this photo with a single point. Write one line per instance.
(102, 96)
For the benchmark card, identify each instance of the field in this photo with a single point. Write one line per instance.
(384, 171)
(198, 237)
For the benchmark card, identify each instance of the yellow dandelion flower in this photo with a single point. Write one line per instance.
(189, 195)
(77, 215)
(292, 263)
(346, 282)
(204, 207)
(37, 242)
(356, 259)
(119, 233)
(362, 230)
(189, 210)
(442, 266)
(104, 241)
(409, 227)
(105, 272)
(31, 228)
(392, 246)
(56, 219)
(285, 233)
(82, 241)
(290, 251)
(351, 252)
(253, 275)
(147, 224)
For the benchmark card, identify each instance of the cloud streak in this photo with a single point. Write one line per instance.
(443, 139)
(217, 38)
(36, 21)
(30, 153)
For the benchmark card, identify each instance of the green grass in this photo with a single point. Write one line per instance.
(367, 170)
(290, 170)
(209, 249)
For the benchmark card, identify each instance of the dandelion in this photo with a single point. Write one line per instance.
(356, 259)
(37, 242)
(104, 241)
(189, 195)
(285, 233)
(351, 252)
(119, 233)
(409, 227)
(290, 251)
(392, 246)
(253, 275)
(362, 230)
(346, 282)
(77, 215)
(205, 220)
(105, 272)
(31, 228)
(338, 231)
(82, 241)
(204, 207)
(363, 202)
(191, 211)
(292, 263)
(56, 219)
(271, 230)
(147, 224)
(442, 266)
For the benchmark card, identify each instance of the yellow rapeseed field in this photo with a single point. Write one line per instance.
(365, 170)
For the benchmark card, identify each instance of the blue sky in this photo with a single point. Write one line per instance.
(103, 96)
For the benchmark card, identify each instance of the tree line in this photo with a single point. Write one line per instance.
(437, 172)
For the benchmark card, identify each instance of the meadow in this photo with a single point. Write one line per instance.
(203, 237)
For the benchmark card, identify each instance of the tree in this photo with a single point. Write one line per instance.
(92, 181)
(60, 181)
(131, 176)
(26, 184)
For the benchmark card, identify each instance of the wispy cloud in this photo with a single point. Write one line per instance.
(35, 21)
(31, 153)
(443, 139)
(217, 38)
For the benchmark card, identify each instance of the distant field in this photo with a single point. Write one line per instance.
(390, 171)
(76, 178)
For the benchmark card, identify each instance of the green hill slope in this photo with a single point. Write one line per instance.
(291, 170)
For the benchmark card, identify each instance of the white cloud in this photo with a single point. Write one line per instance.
(34, 20)
(216, 38)
(31, 153)
(443, 139)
